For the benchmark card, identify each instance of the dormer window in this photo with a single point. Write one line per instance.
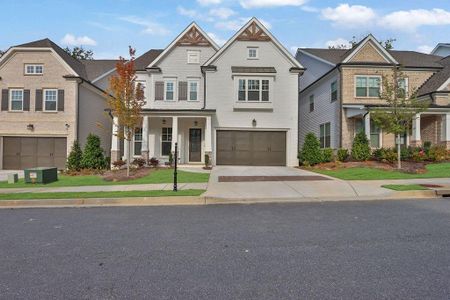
(252, 53)
(32, 69)
(193, 57)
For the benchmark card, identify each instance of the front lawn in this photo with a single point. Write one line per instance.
(111, 194)
(404, 187)
(439, 170)
(157, 176)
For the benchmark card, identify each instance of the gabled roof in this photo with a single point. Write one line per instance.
(193, 35)
(247, 32)
(438, 81)
(143, 61)
(95, 68)
(369, 40)
(440, 45)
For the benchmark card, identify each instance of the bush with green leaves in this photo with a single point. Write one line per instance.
(342, 154)
(360, 147)
(437, 153)
(311, 154)
(93, 157)
(75, 157)
(327, 155)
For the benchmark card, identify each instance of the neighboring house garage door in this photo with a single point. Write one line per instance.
(29, 152)
(253, 148)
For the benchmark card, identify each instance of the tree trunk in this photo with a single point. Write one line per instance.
(128, 157)
(399, 157)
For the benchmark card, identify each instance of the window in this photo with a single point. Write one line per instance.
(325, 135)
(170, 87)
(374, 135)
(193, 90)
(34, 69)
(254, 90)
(50, 100)
(16, 97)
(252, 53)
(359, 126)
(138, 141)
(367, 86)
(193, 57)
(403, 87)
(334, 93)
(166, 141)
(311, 103)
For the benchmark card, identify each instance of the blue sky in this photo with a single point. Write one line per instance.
(109, 26)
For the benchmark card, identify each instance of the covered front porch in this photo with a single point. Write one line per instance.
(161, 130)
(431, 126)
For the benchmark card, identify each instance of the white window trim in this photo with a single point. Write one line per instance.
(44, 100)
(34, 69)
(406, 86)
(331, 91)
(313, 103)
(324, 131)
(236, 88)
(248, 53)
(367, 88)
(134, 143)
(189, 90)
(10, 100)
(175, 94)
(197, 52)
(161, 141)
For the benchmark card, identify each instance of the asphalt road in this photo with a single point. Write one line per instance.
(363, 250)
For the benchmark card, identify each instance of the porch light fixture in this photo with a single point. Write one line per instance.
(195, 123)
(254, 122)
(67, 126)
(30, 127)
(164, 121)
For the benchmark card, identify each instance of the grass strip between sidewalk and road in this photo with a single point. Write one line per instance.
(112, 194)
(405, 187)
(159, 176)
(439, 170)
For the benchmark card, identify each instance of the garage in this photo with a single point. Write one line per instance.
(253, 148)
(27, 152)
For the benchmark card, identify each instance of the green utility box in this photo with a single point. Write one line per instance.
(41, 175)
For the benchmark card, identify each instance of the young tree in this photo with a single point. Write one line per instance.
(75, 157)
(93, 157)
(126, 99)
(401, 108)
(80, 53)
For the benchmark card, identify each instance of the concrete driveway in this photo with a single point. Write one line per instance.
(288, 183)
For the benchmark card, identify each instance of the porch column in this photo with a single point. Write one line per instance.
(208, 138)
(174, 133)
(145, 149)
(416, 139)
(115, 142)
(446, 120)
(367, 125)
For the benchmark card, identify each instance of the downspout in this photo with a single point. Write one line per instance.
(204, 90)
(341, 106)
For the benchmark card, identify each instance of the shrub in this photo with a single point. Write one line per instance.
(405, 153)
(360, 147)
(390, 155)
(378, 154)
(342, 154)
(153, 162)
(327, 155)
(418, 155)
(139, 162)
(427, 147)
(93, 157)
(437, 153)
(118, 164)
(311, 153)
(75, 157)
(207, 161)
(170, 159)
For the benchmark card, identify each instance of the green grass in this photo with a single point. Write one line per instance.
(112, 194)
(159, 176)
(405, 187)
(439, 170)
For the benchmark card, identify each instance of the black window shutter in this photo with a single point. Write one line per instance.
(182, 90)
(38, 101)
(26, 100)
(159, 90)
(60, 100)
(5, 100)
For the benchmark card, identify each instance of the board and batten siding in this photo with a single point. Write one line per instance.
(222, 94)
(324, 110)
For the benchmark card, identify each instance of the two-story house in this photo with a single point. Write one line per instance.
(47, 102)
(340, 87)
(237, 104)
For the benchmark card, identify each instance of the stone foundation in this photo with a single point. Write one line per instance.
(145, 155)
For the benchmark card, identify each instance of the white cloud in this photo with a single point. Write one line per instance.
(191, 13)
(236, 24)
(72, 40)
(222, 12)
(270, 3)
(411, 19)
(150, 27)
(349, 15)
(309, 8)
(339, 42)
(209, 2)
(425, 49)
(219, 41)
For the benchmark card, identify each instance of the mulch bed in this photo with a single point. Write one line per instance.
(121, 175)
(407, 166)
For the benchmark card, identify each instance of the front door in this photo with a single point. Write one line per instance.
(195, 145)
